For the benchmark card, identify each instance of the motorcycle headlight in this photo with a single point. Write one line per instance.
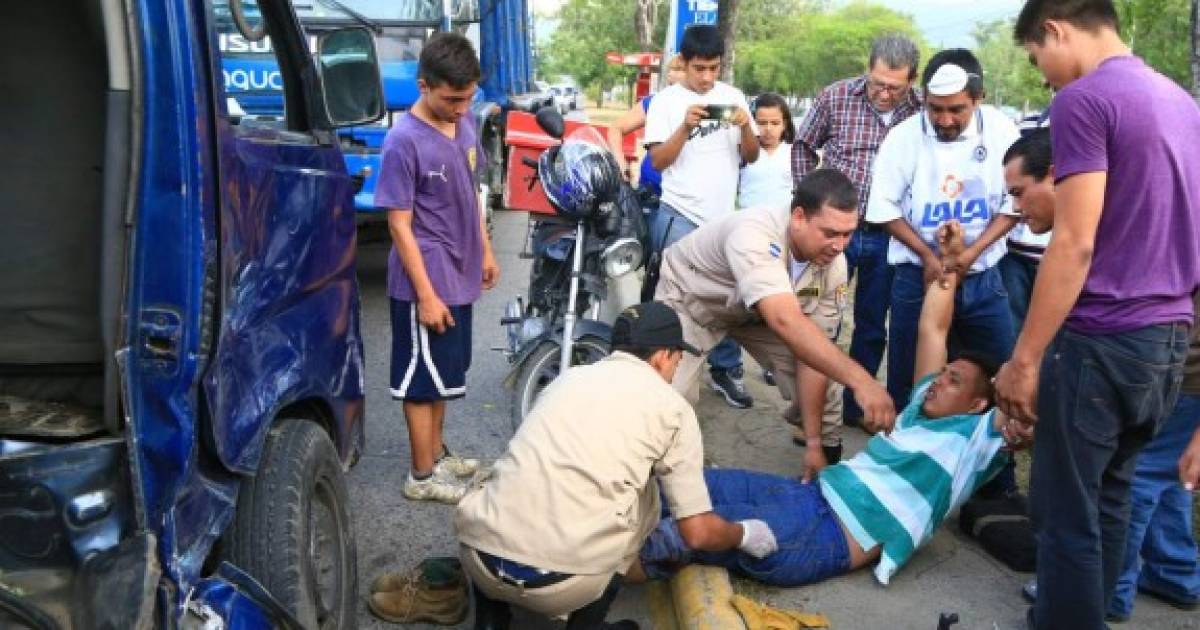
(621, 257)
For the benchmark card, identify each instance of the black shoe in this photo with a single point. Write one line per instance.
(1029, 591)
(853, 423)
(769, 377)
(490, 614)
(624, 624)
(729, 384)
(833, 454)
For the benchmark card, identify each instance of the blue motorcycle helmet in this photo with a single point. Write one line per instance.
(581, 175)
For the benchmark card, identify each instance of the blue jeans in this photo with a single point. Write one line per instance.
(867, 256)
(812, 546)
(1018, 273)
(1160, 522)
(1100, 400)
(727, 354)
(982, 322)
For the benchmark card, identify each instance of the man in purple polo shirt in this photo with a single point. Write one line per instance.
(1118, 277)
(440, 260)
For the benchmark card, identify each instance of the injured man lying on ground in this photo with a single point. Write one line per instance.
(885, 502)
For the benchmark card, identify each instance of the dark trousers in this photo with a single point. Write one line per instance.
(1100, 399)
(867, 258)
(491, 614)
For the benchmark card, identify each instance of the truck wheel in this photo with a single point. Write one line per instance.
(292, 531)
(541, 367)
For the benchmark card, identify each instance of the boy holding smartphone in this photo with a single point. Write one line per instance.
(698, 134)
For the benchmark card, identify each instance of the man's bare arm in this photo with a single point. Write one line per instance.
(903, 232)
(937, 311)
(1001, 224)
(811, 387)
(628, 123)
(664, 154)
(809, 344)
(1060, 278)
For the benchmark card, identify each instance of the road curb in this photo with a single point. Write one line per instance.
(702, 598)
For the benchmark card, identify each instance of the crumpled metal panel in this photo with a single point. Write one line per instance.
(289, 329)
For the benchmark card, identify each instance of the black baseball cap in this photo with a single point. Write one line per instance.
(650, 325)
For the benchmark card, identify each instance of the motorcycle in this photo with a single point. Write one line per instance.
(597, 235)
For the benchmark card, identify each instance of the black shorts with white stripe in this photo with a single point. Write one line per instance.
(427, 366)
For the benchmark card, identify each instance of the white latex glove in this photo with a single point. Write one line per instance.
(757, 538)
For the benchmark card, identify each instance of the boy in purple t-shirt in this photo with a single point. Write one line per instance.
(1118, 277)
(440, 259)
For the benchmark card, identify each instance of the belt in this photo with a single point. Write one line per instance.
(871, 228)
(517, 574)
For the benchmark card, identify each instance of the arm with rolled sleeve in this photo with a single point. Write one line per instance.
(812, 135)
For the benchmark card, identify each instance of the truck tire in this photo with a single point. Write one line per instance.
(292, 531)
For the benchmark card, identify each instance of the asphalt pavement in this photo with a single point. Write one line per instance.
(951, 574)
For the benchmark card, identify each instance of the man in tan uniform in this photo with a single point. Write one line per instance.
(775, 282)
(565, 510)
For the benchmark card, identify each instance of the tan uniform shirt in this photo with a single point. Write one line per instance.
(574, 491)
(725, 267)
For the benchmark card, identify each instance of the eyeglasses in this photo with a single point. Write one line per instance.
(879, 86)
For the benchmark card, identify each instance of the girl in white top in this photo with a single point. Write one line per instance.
(767, 182)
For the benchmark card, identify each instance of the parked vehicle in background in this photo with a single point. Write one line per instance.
(401, 28)
(181, 368)
(567, 97)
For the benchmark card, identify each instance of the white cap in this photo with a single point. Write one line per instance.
(949, 79)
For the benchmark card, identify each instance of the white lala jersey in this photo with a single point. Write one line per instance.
(928, 182)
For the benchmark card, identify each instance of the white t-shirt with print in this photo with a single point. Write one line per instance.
(928, 182)
(767, 181)
(702, 182)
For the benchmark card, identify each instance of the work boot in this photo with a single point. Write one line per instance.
(440, 486)
(729, 383)
(833, 453)
(433, 592)
(446, 571)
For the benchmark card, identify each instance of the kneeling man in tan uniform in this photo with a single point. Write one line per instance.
(565, 510)
(753, 275)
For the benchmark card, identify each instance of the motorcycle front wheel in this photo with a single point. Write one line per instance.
(542, 366)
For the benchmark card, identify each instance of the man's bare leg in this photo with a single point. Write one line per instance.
(424, 434)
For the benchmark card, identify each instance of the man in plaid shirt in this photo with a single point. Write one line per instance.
(847, 123)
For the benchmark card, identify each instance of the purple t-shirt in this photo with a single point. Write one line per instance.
(430, 174)
(1142, 129)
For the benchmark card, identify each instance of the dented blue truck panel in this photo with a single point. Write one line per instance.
(244, 250)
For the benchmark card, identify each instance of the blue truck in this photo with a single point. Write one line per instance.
(181, 366)
(499, 29)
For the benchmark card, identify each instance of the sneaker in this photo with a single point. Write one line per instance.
(434, 592)
(729, 384)
(769, 377)
(436, 487)
(452, 464)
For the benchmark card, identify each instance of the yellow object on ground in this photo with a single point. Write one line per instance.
(758, 616)
(702, 596)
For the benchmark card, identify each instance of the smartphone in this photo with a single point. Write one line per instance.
(723, 113)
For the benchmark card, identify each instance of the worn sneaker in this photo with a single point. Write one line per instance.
(451, 464)
(437, 487)
(729, 384)
(434, 591)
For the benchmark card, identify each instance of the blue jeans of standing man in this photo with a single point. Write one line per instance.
(1160, 552)
(1100, 400)
(1018, 273)
(812, 546)
(867, 257)
(982, 322)
(726, 355)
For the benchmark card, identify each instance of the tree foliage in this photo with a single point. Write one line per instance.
(1160, 32)
(587, 30)
(804, 50)
(1008, 76)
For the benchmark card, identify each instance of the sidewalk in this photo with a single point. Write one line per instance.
(951, 574)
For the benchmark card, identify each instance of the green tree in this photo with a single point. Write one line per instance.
(587, 30)
(1008, 76)
(1160, 32)
(813, 46)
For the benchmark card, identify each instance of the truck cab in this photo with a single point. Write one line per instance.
(181, 367)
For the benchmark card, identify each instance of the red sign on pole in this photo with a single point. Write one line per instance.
(614, 57)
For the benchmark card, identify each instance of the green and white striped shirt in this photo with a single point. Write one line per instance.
(899, 489)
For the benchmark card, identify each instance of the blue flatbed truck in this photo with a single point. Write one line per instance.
(501, 33)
